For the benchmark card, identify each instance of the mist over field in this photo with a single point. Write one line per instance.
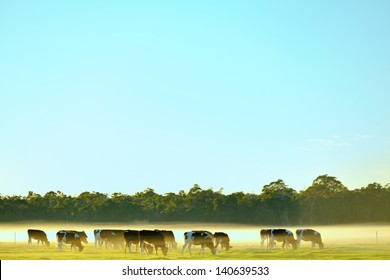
(238, 233)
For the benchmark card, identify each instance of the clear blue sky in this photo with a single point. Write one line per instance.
(118, 96)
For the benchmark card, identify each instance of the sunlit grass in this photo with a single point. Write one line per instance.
(21, 251)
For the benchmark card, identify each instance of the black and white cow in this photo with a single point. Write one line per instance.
(309, 235)
(282, 235)
(39, 235)
(111, 237)
(131, 238)
(169, 238)
(154, 238)
(199, 237)
(72, 237)
(221, 238)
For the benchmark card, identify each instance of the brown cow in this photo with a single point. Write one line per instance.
(38, 235)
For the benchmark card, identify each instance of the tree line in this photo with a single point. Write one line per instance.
(326, 201)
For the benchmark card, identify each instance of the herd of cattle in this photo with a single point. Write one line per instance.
(148, 241)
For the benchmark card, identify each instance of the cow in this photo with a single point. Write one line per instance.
(309, 235)
(282, 235)
(72, 237)
(116, 239)
(169, 238)
(111, 237)
(199, 237)
(38, 235)
(131, 237)
(264, 237)
(154, 238)
(98, 239)
(221, 238)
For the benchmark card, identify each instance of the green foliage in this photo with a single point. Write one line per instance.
(326, 201)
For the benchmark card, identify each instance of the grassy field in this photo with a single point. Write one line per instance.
(20, 251)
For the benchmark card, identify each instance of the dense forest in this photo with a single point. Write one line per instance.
(326, 201)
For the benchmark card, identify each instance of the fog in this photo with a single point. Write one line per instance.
(239, 234)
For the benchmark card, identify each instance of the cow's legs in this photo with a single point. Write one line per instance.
(286, 244)
(143, 249)
(299, 239)
(97, 242)
(201, 249)
(75, 245)
(187, 243)
(219, 242)
(128, 245)
(60, 246)
(313, 244)
(189, 248)
(271, 243)
(262, 242)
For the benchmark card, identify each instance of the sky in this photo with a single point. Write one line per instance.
(120, 96)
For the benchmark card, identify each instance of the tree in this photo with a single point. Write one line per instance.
(122, 206)
(326, 201)
(280, 201)
(36, 206)
(148, 201)
(323, 189)
(374, 202)
(88, 203)
(200, 204)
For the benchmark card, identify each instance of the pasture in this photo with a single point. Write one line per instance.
(20, 251)
(349, 242)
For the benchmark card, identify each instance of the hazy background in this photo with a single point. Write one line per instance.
(122, 95)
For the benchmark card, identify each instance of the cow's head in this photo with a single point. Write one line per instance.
(291, 240)
(211, 246)
(47, 242)
(321, 245)
(164, 250)
(208, 242)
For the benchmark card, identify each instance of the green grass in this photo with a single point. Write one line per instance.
(20, 251)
